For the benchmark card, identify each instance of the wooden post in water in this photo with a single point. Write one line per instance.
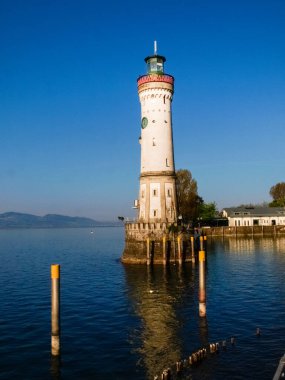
(164, 250)
(192, 249)
(174, 249)
(201, 243)
(55, 309)
(179, 250)
(148, 261)
(202, 284)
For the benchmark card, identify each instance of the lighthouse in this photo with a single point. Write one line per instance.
(157, 193)
(147, 239)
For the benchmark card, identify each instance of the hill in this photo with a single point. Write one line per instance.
(20, 220)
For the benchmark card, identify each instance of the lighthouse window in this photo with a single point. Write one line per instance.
(155, 212)
(169, 192)
(154, 193)
(159, 67)
(167, 163)
(164, 99)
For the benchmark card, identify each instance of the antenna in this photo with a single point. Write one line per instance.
(155, 48)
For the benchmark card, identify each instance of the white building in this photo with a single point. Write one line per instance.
(255, 216)
(157, 194)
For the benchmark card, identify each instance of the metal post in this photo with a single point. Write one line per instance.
(202, 284)
(55, 309)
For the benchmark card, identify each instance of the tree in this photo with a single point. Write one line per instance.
(278, 194)
(208, 210)
(188, 199)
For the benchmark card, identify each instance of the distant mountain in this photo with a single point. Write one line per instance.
(19, 220)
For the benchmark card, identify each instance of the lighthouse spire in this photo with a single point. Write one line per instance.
(155, 48)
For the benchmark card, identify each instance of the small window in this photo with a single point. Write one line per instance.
(167, 164)
(164, 99)
(154, 193)
(236, 213)
(142, 193)
(155, 213)
(169, 192)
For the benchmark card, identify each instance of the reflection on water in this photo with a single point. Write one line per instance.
(55, 362)
(246, 245)
(158, 293)
(203, 331)
(244, 284)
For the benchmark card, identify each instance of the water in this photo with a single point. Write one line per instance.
(131, 322)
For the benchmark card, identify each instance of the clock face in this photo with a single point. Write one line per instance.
(144, 122)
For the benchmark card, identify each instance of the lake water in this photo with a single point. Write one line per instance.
(131, 322)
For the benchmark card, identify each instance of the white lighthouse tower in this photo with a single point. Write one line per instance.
(147, 239)
(157, 195)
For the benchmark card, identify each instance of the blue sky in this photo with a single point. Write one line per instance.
(69, 109)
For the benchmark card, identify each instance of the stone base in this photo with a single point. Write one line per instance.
(152, 244)
(135, 252)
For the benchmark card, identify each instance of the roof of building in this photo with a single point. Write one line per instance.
(254, 211)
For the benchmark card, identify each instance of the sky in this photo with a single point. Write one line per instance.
(70, 114)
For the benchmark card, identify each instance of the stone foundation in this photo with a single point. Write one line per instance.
(151, 243)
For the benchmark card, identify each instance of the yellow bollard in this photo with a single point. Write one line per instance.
(55, 309)
(202, 284)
